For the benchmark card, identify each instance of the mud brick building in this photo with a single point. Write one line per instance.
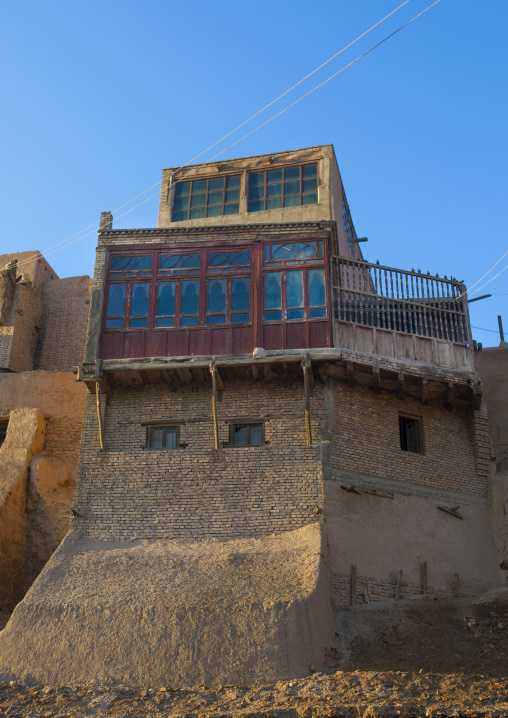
(274, 429)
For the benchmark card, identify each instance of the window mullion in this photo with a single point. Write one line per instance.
(128, 295)
(178, 303)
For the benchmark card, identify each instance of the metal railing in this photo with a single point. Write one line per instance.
(402, 301)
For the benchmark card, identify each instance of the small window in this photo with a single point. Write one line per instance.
(246, 434)
(163, 437)
(411, 437)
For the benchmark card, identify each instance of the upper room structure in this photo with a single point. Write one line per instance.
(283, 187)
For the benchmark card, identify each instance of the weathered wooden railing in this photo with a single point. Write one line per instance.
(398, 300)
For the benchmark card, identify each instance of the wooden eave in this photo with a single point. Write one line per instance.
(427, 384)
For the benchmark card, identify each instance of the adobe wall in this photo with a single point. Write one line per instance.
(31, 264)
(128, 492)
(65, 306)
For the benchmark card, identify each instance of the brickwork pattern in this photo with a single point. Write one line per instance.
(6, 334)
(377, 590)
(367, 441)
(65, 307)
(480, 440)
(27, 316)
(31, 264)
(129, 492)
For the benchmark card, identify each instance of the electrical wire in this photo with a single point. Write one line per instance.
(94, 224)
(482, 329)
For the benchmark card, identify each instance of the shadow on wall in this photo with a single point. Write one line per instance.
(35, 500)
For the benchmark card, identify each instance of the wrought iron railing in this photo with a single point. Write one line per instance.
(402, 301)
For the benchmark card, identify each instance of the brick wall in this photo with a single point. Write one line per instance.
(6, 334)
(65, 306)
(126, 492)
(31, 264)
(27, 315)
(367, 441)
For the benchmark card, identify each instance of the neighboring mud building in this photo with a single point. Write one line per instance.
(273, 429)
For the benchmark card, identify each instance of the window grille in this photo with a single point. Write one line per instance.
(285, 187)
(411, 434)
(201, 198)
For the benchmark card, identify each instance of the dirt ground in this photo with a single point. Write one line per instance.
(417, 657)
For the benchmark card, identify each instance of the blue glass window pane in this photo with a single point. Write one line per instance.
(216, 184)
(188, 321)
(274, 190)
(309, 171)
(240, 436)
(139, 300)
(294, 289)
(233, 182)
(316, 312)
(231, 208)
(197, 213)
(166, 292)
(257, 192)
(317, 293)
(114, 323)
(215, 211)
(179, 216)
(215, 197)
(198, 200)
(274, 203)
(309, 185)
(293, 201)
(273, 294)
(295, 314)
(309, 198)
(292, 173)
(138, 322)
(156, 438)
(256, 434)
(165, 322)
(136, 263)
(291, 188)
(245, 317)
(180, 203)
(223, 260)
(116, 300)
(273, 176)
(216, 319)
(190, 298)
(177, 263)
(170, 438)
(272, 314)
(232, 195)
(240, 294)
(216, 296)
(182, 188)
(256, 206)
(199, 186)
(256, 178)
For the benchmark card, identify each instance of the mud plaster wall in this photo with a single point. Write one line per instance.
(65, 306)
(24, 439)
(127, 492)
(31, 264)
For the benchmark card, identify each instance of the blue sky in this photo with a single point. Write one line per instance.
(97, 97)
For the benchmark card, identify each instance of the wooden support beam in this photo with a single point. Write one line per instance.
(255, 372)
(425, 390)
(99, 415)
(213, 372)
(306, 382)
(376, 374)
(452, 510)
(449, 396)
(350, 373)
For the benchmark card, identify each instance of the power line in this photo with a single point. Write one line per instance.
(482, 329)
(94, 224)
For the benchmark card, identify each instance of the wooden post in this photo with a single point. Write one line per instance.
(99, 417)
(213, 372)
(306, 369)
(457, 586)
(399, 581)
(424, 577)
(353, 583)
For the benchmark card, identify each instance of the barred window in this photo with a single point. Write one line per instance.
(411, 435)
